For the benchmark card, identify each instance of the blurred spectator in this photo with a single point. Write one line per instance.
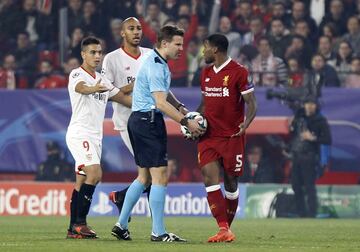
(223, 25)
(8, 27)
(170, 8)
(233, 37)
(298, 49)
(325, 49)
(184, 9)
(267, 69)
(7, 72)
(177, 67)
(308, 130)
(241, 16)
(176, 173)
(330, 30)
(54, 168)
(343, 61)
(353, 79)
(256, 32)
(115, 40)
(257, 168)
(118, 9)
(193, 59)
(353, 35)
(153, 12)
(296, 73)
(26, 56)
(299, 12)
(279, 12)
(279, 37)
(321, 75)
(69, 65)
(47, 78)
(75, 43)
(74, 15)
(91, 21)
(302, 28)
(247, 54)
(336, 16)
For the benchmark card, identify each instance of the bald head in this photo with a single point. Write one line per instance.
(131, 32)
(128, 21)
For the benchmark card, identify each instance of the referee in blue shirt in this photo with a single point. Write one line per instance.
(147, 132)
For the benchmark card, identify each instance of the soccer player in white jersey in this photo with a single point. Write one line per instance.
(89, 93)
(121, 67)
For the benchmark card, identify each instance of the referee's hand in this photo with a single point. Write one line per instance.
(195, 128)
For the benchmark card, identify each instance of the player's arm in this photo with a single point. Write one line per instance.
(176, 103)
(251, 108)
(84, 89)
(201, 107)
(127, 89)
(164, 106)
(122, 98)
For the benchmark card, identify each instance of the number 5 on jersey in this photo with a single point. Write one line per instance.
(239, 163)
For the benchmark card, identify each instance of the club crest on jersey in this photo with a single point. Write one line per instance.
(226, 80)
(75, 75)
(103, 71)
(207, 79)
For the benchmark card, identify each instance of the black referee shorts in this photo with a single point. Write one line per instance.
(148, 138)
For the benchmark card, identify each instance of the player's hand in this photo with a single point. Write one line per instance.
(128, 88)
(242, 128)
(100, 88)
(195, 128)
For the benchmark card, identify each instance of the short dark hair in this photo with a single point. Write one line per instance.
(218, 40)
(167, 33)
(89, 41)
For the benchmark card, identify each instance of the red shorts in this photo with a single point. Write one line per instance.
(229, 151)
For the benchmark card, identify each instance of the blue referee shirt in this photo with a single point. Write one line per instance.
(154, 75)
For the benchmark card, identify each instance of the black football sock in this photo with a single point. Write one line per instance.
(147, 191)
(84, 201)
(73, 208)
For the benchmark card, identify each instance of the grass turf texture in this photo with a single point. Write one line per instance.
(48, 234)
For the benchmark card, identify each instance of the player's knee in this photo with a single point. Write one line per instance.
(160, 179)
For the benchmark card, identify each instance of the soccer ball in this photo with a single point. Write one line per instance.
(193, 115)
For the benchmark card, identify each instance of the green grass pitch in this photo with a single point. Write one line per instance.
(297, 235)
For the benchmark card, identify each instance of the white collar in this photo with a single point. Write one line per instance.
(216, 70)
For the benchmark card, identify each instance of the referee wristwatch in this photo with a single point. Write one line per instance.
(184, 121)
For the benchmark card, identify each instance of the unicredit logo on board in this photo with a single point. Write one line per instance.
(14, 202)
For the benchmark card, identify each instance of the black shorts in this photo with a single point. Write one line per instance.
(148, 139)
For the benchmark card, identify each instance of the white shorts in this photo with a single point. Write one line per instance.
(85, 151)
(126, 139)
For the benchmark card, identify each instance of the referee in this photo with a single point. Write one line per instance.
(147, 132)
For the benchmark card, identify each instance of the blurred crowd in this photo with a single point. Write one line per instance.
(285, 43)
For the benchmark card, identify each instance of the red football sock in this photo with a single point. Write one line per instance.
(232, 200)
(217, 205)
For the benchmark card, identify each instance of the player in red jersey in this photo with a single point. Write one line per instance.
(225, 89)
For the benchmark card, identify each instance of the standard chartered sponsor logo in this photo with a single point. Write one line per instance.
(14, 203)
(184, 204)
(216, 92)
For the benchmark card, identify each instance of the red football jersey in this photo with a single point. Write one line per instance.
(222, 89)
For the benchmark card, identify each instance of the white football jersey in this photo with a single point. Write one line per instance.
(121, 69)
(88, 111)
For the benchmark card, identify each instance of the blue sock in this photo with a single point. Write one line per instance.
(132, 196)
(157, 202)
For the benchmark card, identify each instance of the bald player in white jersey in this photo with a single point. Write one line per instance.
(121, 67)
(89, 93)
